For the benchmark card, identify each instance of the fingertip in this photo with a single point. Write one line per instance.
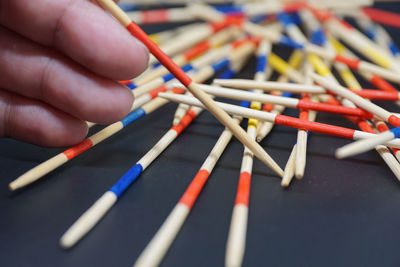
(117, 106)
(68, 132)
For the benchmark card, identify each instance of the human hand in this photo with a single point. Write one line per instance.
(58, 64)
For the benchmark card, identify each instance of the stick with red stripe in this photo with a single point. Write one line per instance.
(382, 127)
(384, 151)
(98, 210)
(282, 120)
(284, 101)
(165, 15)
(184, 40)
(154, 252)
(53, 163)
(222, 116)
(358, 100)
(294, 61)
(236, 242)
(216, 40)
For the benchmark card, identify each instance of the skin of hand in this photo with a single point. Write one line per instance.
(59, 62)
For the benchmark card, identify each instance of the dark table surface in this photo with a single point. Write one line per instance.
(343, 213)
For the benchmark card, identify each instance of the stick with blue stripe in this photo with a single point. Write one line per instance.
(53, 163)
(94, 214)
(361, 146)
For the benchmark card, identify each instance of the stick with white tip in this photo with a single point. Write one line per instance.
(361, 146)
(155, 251)
(95, 213)
(289, 168)
(358, 100)
(282, 120)
(218, 113)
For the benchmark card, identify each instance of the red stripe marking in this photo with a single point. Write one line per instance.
(332, 101)
(364, 126)
(268, 107)
(334, 109)
(382, 127)
(154, 16)
(194, 189)
(154, 93)
(197, 50)
(217, 26)
(384, 17)
(126, 82)
(243, 191)
(78, 149)
(178, 90)
(380, 83)
(378, 95)
(293, 6)
(314, 126)
(321, 14)
(303, 115)
(351, 63)
(186, 120)
(304, 112)
(241, 42)
(136, 31)
(394, 120)
(346, 24)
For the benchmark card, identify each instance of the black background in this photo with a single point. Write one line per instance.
(343, 213)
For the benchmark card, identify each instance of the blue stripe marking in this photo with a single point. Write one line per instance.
(284, 40)
(295, 17)
(286, 94)
(134, 115)
(126, 180)
(156, 65)
(229, 73)
(219, 65)
(396, 132)
(285, 19)
(318, 37)
(229, 8)
(169, 76)
(131, 86)
(371, 33)
(258, 19)
(394, 49)
(245, 104)
(261, 63)
(128, 7)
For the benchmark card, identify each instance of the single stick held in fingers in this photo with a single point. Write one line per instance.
(222, 116)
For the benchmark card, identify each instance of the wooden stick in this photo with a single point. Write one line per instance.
(284, 101)
(51, 164)
(294, 61)
(358, 100)
(289, 168)
(222, 116)
(283, 120)
(154, 252)
(99, 209)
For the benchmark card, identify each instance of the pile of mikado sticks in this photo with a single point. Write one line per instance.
(218, 41)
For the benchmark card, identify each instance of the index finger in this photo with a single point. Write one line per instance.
(80, 30)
